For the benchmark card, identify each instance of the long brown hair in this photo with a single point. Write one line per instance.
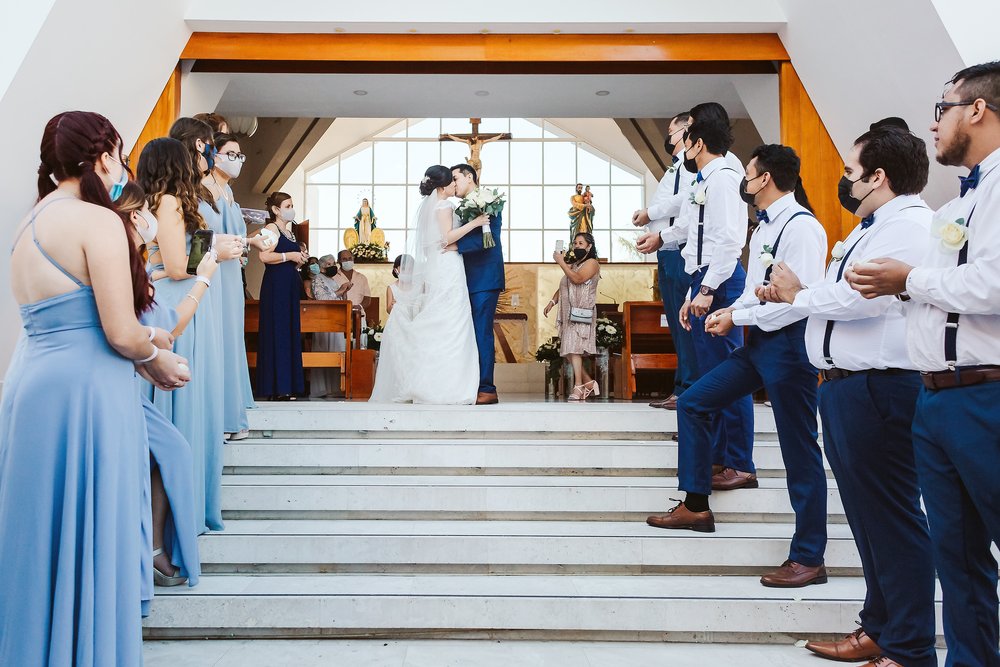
(188, 131)
(71, 144)
(275, 199)
(165, 169)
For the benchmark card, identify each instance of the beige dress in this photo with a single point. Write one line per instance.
(575, 337)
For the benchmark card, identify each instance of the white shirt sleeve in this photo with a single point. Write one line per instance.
(665, 203)
(678, 232)
(726, 214)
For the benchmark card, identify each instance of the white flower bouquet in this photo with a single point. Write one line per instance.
(373, 335)
(482, 201)
(609, 335)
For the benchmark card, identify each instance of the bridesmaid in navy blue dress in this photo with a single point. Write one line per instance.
(71, 444)
(279, 340)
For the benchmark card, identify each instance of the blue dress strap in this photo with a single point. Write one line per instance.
(31, 223)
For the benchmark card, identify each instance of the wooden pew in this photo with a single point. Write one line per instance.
(314, 317)
(647, 345)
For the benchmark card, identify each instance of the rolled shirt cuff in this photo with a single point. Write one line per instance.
(743, 317)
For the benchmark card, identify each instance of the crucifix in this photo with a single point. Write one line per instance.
(475, 142)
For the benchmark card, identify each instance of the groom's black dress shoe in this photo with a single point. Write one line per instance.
(486, 399)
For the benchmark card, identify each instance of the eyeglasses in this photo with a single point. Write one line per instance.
(233, 156)
(941, 107)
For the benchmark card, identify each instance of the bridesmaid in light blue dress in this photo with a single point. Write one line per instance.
(238, 392)
(70, 423)
(166, 174)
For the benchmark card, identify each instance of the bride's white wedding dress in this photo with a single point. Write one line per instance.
(428, 352)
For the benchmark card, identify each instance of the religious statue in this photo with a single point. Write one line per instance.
(475, 142)
(581, 212)
(364, 222)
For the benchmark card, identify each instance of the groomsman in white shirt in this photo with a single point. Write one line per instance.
(953, 337)
(671, 194)
(774, 358)
(869, 395)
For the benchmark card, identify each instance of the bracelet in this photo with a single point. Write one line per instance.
(152, 334)
(193, 298)
(156, 353)
(203, 279)
(283, 259)
(552, 302)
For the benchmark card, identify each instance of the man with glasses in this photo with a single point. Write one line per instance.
(952, 304)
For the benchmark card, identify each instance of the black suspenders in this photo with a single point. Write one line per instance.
(701, 217)
(951, 325)
(677, 187)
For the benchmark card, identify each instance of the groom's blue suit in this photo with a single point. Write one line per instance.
(484, 275)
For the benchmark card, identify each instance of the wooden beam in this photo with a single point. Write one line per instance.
(164, 113)
(822, 167)
(488, 48)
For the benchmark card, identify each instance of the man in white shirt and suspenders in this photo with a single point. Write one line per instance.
(869, 395)
(952, 304)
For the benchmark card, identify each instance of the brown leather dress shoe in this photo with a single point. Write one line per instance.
(669, 403)
(852, 648)
(882, 661)
(486, 399)
(680, 517)
(716, 469)
(794, 575)
(729, 478)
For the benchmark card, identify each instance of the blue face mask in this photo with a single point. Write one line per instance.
(116, 189)
(209, 153)
(314, 269)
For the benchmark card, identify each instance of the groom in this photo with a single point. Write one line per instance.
(484, 275)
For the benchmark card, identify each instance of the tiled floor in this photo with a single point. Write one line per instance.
(480, 653)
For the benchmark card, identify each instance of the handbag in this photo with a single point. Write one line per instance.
(581, 315)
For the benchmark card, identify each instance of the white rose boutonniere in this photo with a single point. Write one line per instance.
(672, 167)
(766, 256)
(838, 251)
(953, 233)
(699, 197)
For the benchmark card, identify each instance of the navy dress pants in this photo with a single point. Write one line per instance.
(484, 308)
(868, 441)
(674, 283)
(956, 441)
(778, 362)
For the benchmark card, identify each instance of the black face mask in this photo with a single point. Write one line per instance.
(330, 271)
(689, 162)
(580, 254)
(847, 200)
(746, 196)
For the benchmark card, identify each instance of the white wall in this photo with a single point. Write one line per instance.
(84, 55)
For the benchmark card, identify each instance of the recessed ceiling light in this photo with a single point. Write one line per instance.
(629, 29)
(412, 30)
(556, 32)
(482, 93)
(485, 31)
(339, 30)
(361, 93)
(603, 93)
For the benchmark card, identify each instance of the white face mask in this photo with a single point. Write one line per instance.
(347, 266)
(229, 167)
(152, 227)
(287, 214)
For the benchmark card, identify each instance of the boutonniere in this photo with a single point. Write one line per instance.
(699, 196)
(838, 251)
(953, 233)
(766, 256)
(672, 167)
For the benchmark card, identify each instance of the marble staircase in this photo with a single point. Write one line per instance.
(522, 520)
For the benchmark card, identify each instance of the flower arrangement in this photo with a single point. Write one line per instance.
(549, 350)
(482, 201)
(953, 234)
(373, 336)
(609, 335)
(369, 253)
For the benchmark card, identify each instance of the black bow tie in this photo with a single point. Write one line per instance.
(762, 216)
(971, 181)
(868, 222)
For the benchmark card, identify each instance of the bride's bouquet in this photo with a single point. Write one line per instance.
(482, 201)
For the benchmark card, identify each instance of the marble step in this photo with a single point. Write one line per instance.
(537, 420)
(507, 547)
(435, 456)
(651, 607)
(490, 497)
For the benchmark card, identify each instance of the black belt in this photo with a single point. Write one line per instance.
(829, 374)
(963, 376)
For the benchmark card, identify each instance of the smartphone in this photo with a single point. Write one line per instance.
(560, 244)
(201, 243)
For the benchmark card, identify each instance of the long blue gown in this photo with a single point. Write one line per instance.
(238, 392)
(70, 493)
(279, 339)
(171, 453)
(196, 408)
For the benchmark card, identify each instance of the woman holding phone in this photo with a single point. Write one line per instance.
(279, 344)
(165, 172)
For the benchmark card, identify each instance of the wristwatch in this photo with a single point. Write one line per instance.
(706, 290)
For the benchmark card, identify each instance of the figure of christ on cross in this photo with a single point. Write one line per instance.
(476, 142)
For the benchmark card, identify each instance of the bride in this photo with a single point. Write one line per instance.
(428, 352)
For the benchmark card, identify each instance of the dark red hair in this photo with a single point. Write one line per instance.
(72, 144)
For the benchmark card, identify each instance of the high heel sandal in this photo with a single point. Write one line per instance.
(579, 393)
(165, 580)
(593, 389)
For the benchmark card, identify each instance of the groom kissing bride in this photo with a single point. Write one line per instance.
(438, 345)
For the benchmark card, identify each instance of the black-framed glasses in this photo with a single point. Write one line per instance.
(233, 156)
(941, 107)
